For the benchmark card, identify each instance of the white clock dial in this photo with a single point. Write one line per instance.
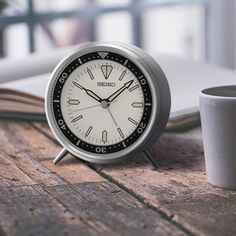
(102, 102)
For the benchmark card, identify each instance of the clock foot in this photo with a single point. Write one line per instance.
(60, 156)
(148, 156)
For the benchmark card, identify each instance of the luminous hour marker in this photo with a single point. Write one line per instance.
(134, 87)
(77, 85)
(122, 75)
(148, 104)
(132, 121)
(104, 136)
(78, 142)
(77, 118)
(106, 70)
(56, 101)
(90, 73)
(120, 132)
(125, 62)
(137, 104)
(88, 131)
(73, 102)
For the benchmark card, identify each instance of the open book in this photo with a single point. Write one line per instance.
(24, 99)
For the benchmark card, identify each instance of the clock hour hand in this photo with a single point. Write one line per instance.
(119, 91)
(89, 92)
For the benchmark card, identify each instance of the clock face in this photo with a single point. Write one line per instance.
(102, 102)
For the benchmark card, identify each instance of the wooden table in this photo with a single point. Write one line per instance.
(75, 198)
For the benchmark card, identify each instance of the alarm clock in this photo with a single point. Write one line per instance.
(106, 102)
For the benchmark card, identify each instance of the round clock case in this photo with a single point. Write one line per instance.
(84, 80)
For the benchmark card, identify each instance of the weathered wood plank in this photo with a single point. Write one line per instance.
(20, 154)
(179, 188)
(10, 175)
(27, 210)
(33, 152)
(98, 209)
(92, 201)
(44, 128)
(18, 205)
(111, 210)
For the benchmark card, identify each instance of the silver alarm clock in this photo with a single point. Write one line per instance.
(106, 102)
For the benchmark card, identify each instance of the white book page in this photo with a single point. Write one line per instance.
(187, 78)
(35, 85)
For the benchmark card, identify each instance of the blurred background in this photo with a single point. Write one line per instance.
(203, 30)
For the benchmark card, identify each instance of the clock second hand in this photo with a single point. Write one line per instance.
(81, 109)
(108, 109)
(85, 108)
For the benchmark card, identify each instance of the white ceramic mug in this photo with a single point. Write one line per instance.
(218, 119)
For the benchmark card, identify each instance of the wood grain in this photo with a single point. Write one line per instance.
(28, 210)
(38, 198)
(179, 189)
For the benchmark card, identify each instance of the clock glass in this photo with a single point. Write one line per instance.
(102, 102)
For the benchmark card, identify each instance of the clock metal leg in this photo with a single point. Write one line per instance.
(148, 156)
(60, 156)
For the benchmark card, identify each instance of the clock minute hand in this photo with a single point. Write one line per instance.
(119, 91)
(89, 92)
